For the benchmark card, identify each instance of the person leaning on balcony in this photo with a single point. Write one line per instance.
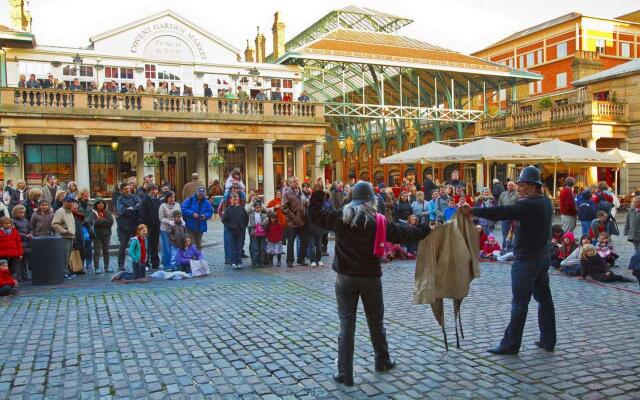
(75, 85)
(568, 206)
(48, 84)
(207, 90)
(260, 96)
(242, 94)
(22, 81)
(33, 83)
(304, 97)
(277, 95)
(229, 95)
(174, 90)
(162, 89)
(150, 89)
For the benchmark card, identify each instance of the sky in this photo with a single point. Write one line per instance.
(461, 25)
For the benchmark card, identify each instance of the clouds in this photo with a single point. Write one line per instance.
(461, 25)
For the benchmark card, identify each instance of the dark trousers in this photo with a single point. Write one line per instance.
(235, 247)
(257, 249)
(611, 278)
(6, 290)
(25, 266)
(196, 236)
(325, 242)
(138, 270)
(636, 273)
(14, 266)
(530, 277)
(349, 290)
(316, 247)
(101, 248)
(291, 234)
(504, 226)
(123, 238)
(154, 241)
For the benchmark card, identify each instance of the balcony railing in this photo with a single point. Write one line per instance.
(133, 104)
(583, 112)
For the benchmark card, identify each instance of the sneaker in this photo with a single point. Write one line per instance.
(313, 264)
(303, 263)
(320, 264)
(278, 265)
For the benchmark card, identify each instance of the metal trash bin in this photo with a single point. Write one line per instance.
(47, 260)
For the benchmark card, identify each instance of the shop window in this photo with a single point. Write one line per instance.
(150, 71)
(539, 56)
(561, 50)
(43, 159)
(103, 163)
(168, 73)
(276, 83)
(28, 67)
(69, 70)
(86, 70)
(111, 72)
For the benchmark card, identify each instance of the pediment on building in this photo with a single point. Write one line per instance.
(165, 36)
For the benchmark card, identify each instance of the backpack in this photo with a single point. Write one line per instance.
(604, 204)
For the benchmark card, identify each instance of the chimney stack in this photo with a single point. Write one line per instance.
(20, 18)
(248, 53)
(261, 43)
(278, 36)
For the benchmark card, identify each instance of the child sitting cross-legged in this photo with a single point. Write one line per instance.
(411, 249)
(187, 252)
(481, 235)
(450, 210)
(591, 264)
(604, 247)
(491, 249)
(566, 246)
(571, 263)
(8, 284)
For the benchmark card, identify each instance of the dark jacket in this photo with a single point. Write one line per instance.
(293, 207)
(149, 211)
(429, 187)
(41, 223)
(15, 197)
(128, 212)
(586, 208)
(533, 230)
(497, 190)
(354, 245)
(22, 225)
(235, 218)
(30, 207)
(593, 266)
(101, 226)
(402, 210)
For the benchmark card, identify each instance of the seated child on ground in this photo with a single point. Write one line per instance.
(566, 246)
(411, 249)
(393, 252)
(491, 249)
(187, 252)
(604, 247)
(570, 265)
(591, 264)
(8, 285)
(482, 236)
(634, 265)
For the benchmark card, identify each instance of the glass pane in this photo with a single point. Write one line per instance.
(33, 153)
(65, 154)
(278, 155)
(49, 154)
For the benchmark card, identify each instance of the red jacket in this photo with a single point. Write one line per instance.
(488, 249)
(567, 202)
(6, 279)
(11, 244)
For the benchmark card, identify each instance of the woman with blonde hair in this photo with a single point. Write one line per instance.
(31, 202)
(72, 189)
(58, 200)
(19, 194)
(591, 264)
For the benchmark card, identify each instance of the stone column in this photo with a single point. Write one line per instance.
(319, 153)
(299, 162)
(267, 170)
(9, 146)
(82, 162)
(479, 176)
(212, 149)
(592, 174)
(147, 148)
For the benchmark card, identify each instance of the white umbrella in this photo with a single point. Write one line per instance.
(490, 149)
(568, 153)
(420, 154)
(624, 156)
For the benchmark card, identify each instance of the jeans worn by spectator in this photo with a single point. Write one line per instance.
(291, 234)
(585, 227)
(123, 238)
(505, 226)
(101, 248)
(197, 238)
(315, 242)
(236, 240)
(168, 251)
(6, 290)
(530, 277)
(154, 240)
(257, 249)
(68, 248)
(349, 289)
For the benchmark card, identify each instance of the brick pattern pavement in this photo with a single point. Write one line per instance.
(271, 333)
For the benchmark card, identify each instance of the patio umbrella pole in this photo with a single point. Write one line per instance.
(555, 174)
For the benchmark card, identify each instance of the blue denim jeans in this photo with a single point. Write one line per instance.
(257, 249)
(530, 277)
(236, 240)
(226, 240)
(585, 227)
(504, 227)
(168, 251)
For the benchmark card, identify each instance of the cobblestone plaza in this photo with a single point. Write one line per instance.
(272, 334)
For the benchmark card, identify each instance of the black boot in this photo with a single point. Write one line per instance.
(345, 380)
(386, 365)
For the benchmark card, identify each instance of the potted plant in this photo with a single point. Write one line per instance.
(151, 160)
(546, 102)
(216, 160)
(8, 159)
(326, 160)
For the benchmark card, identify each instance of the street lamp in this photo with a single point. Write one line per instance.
(341, 143)
(114, 144)
(77, 61)
(231, 147)
(349, 143)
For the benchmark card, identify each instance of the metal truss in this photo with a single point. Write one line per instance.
(376, 111)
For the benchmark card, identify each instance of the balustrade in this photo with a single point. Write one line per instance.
(527, 118)
(114, 101)
(567, 112)
(43, 98)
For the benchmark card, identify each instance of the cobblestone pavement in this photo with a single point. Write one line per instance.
(271, 333)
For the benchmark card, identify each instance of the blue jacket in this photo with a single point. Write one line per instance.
(183, 257)
(433, 209)
(586, 208)
(135, 251)
(418, 208)
(634, 263)
(194, 206)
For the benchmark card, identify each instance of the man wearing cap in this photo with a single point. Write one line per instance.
(358, 269)
(150, 216)
(529, 271)
(190, 188)
(196, 210)
(64, 225)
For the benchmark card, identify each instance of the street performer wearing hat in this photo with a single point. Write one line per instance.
(360, 233)
(529, 272)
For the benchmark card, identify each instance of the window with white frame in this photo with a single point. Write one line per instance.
(600, 46)
(30, 67)
(168, 73)
(521, 62)
(531, 59)
(561, 80)
(71, 70)
(539, 55)
(503, 94)
(532, 88)
(539, 87)
(150, 71)
(510, 62)
(625, 50)
(561, 49)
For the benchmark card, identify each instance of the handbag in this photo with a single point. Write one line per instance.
(199, 268)
(613, 227)
(75, 261)
(260, 230)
